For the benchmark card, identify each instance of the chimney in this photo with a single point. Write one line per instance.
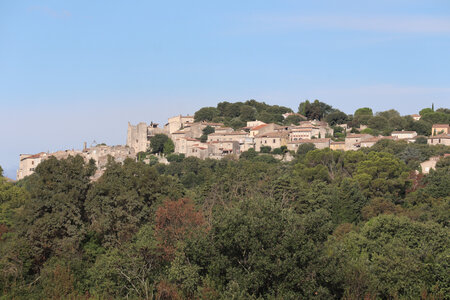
(84, 146)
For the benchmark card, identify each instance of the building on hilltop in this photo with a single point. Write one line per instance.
(99, 154)
(318, 143)
(438, 129)
(441, 139)
(178, 122)
(138, 136)
(404, 135)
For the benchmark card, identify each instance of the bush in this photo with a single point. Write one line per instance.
(265, 149)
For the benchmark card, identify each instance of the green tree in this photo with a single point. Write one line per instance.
(316, 110)
(168, 147)
(412, 250)
(157, 143)
(247, 113)
(205, 114)
(54, 217)
(336, 117)
(364, 111)
(265, 149)
(264, 249)
(121, 200)
(305, 148)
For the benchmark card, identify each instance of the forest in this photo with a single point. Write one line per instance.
(327, 225)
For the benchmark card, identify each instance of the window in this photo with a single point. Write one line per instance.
(273, 141)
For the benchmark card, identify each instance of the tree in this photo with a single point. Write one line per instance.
(305, 148)
(378, 123)
(157, 143)
(412, 250)
(262, 248)
(249, 154)
(425, 111)
(265, 149)
(316, 110)
(388, 114)
(293, 119)
(364, 111)
(54, 218)
(168, 147)
(120, 202)
(247, 113)
(176, 221)
(205, 114)
(382, 174)
(336, 117)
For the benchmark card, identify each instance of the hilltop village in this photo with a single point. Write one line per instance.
(193, 137)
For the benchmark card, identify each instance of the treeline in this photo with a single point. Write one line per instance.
(328, 225)
(380, 123)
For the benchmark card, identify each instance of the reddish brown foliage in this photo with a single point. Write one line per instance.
(175, 221)
(416, 181)
(166, 291)
(3, 230)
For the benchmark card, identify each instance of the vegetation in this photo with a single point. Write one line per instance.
(326, 225)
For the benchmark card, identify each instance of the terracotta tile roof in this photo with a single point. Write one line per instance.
(441, 126)
(272, 134)
(400, 132)
(415, 115)
(338, 143)
(304, 129)
(440, 136)
(357, 135)
(34, 156)
(259, 127)
(228, 133)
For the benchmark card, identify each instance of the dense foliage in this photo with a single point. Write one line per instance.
(326, 225)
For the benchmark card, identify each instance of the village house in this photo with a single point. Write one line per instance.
(337, 146)
(403, 135)
(28, 163)
(351, 140)
(271, 139)
(183, 144)
(442, 139)
(318, 143)
(415, 117)
(200, 150)
(99, 154)
(300, 133)
(251, 124)
(438, 129)
(222, 148)
(178, 122)
(263, 128)
(367, 143)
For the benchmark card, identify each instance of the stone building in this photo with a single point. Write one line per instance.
(337, 146)
(99, 154)
(319, 143)
(438, 129)
(404, 134)
(271, 139)
(178, 122)
(351, 140)
(28, 163)
(442, 139)
(138, 136)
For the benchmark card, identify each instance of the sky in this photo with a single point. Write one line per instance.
(74, 71)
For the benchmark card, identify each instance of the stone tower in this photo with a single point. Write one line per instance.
(137, 137)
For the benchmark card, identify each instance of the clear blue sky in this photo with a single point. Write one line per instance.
(74, 71)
